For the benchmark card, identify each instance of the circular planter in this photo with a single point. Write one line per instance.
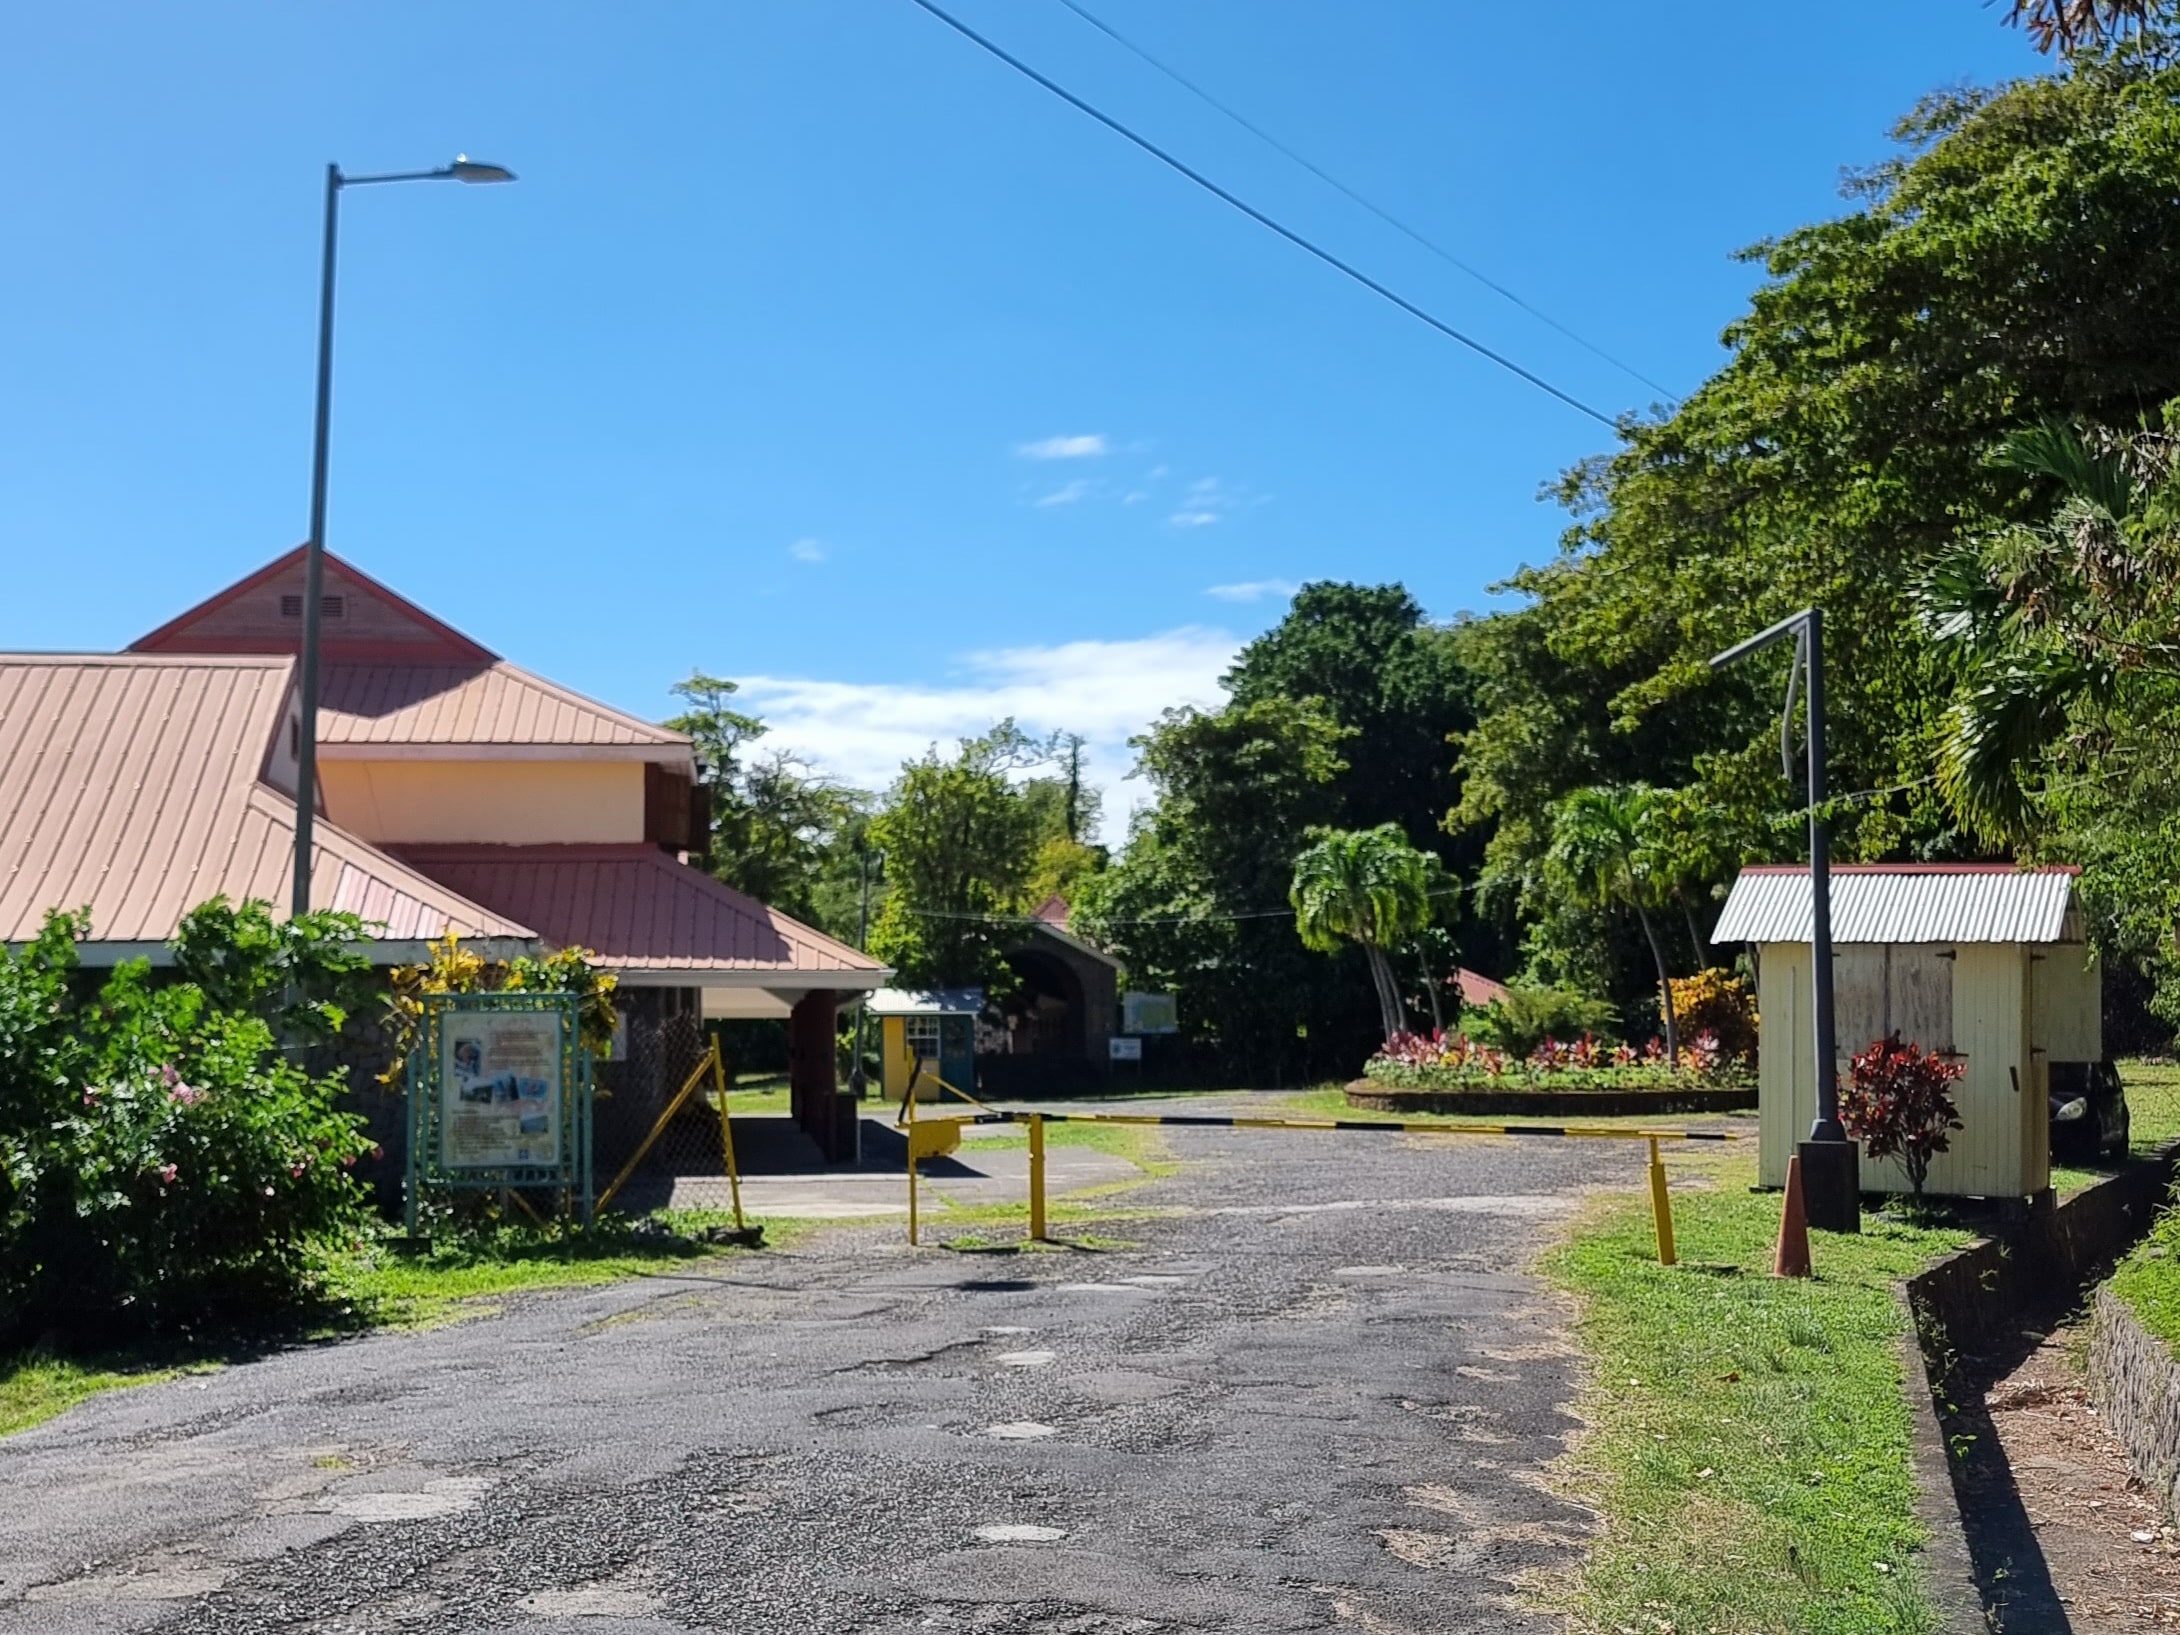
(1368, 1094)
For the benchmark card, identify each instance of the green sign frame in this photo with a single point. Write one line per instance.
(500, 1096)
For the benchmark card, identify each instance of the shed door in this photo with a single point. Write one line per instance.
(1922, 995)
(1859, 1007)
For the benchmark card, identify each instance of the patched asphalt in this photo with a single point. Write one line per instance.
(1310, 1386)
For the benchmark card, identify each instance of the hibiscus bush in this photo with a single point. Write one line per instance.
(165, 1162)
(1453, 1061)
(1896, 1103)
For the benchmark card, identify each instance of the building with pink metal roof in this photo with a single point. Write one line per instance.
(457, 792)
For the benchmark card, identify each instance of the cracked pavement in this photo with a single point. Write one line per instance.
(1314, 1389)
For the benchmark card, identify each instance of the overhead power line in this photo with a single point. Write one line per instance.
(1349, 193)
(1262, 220)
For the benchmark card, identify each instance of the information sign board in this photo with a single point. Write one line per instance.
(1149, 1013)
(1124, 1050)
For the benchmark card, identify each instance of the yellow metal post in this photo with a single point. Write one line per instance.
(1661, 1206)
(909, 1108)
(726, 1135)
(1036, 1177)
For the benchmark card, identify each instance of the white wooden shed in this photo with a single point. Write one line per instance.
(1985, 963)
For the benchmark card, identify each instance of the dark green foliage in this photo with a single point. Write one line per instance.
(2019, 259)
(1524, 1017)
(164, 1164)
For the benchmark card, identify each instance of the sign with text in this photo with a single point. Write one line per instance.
(1149, 1013)
(501, 1089)
(499, 1094)
(1124, 1050)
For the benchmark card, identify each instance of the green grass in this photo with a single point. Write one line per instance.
(1750, 1444)
(33, 1387)
(2149, 1278)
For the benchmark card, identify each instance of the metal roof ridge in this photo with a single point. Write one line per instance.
(2009, 869)
(663, 735)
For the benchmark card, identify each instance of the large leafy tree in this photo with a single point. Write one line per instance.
(777, 826)
(1196, 905)
(2063, 739)
(960, 839)
(1368, 887)
(2019, 257)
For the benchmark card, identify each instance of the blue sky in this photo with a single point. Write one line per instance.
(816, 348)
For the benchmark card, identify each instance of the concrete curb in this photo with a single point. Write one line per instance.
(1382, 1098)
(2135, 1382)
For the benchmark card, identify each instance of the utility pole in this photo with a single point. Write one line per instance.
(1831, 1164)
(857, 1080)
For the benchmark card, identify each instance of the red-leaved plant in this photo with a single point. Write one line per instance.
(1895, 1103)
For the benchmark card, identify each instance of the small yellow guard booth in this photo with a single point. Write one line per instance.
(1985, 964)
(936, 1026)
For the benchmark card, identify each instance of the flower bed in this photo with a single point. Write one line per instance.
(1450, 1062)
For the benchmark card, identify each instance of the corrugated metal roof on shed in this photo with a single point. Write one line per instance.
(1892, 903)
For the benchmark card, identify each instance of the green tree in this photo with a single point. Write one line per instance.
(1195, 902)
(776, 825)
(960, 840)
(2018, 258)
(2063, 738)
(1604, 852)
(1369, 887)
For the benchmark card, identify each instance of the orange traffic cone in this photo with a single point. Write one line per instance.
(1792, 1257)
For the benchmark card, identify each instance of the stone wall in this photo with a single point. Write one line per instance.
(2135, 1383)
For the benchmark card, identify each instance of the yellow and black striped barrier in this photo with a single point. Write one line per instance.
(925, 1140)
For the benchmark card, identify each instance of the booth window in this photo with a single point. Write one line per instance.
(922, 1036)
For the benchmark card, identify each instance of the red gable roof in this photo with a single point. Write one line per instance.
(263, 614)
(639, 910)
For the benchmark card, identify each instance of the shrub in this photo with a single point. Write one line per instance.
(162, 1162)
(1721, 1004)
(1895, 1103)
(1526, 1017)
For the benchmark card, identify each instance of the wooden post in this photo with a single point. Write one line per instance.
(1036, 1177)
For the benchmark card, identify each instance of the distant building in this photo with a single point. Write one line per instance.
(456, 792)
(1057, 1031)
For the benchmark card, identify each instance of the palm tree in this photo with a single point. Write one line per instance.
(2071, 25)
(1603, 853)
(1367, 886)
(2064, 628)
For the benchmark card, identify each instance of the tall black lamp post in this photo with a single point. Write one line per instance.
(1831, 1164)
(306, 780)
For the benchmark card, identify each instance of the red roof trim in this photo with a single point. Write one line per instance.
(160, 640)
(1916, 868)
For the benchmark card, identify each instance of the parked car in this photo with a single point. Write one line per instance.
(2088, 1112)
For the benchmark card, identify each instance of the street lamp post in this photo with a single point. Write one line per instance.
(463, 169)
(1831, 1164)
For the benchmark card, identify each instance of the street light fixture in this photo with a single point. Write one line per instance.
(463, 169)
(1831, 1164)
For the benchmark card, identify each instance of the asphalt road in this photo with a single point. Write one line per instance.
(1319, 1394)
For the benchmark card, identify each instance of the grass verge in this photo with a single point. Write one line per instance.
(380, 1287)
(1750, 1444)
(33, 1387)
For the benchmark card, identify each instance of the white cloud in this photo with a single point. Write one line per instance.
(1067, 494)
(1254, 590)
(807, 550)
(1064, 448)
(861, 732)
(1205, 503)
